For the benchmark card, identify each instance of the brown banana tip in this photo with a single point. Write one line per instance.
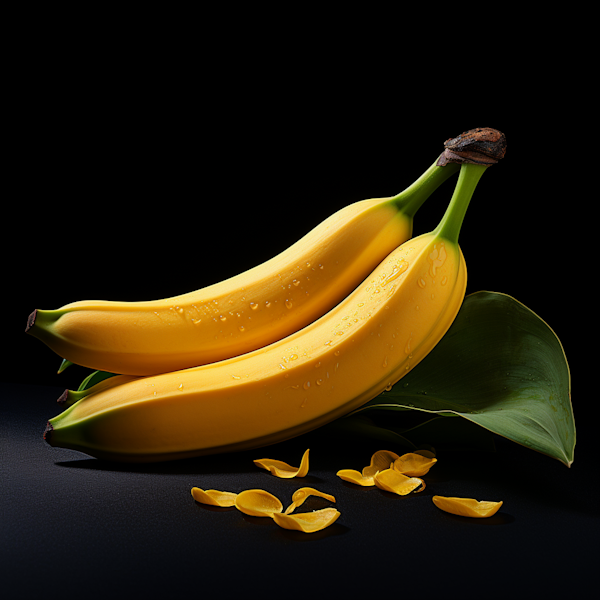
(63, 397)
(48, 432)
(31, 320)
(480, 146)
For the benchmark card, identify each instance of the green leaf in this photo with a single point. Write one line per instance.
(94, 378)
(499, 366)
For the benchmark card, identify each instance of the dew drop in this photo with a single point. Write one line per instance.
(236, 377)
(422, 283)
(267, 304)
(253, 305)
(388, 387)
(396, 272)
(319, 382)
(223, 317)
(293, 357)
(306, 385)
(282, 366)
(436, 258)
(317, 365)
(242, 328)
(320, 266)
(385, 362)
(296, 282)
(288, 303)
(337, 352)
(180, 386)
(303, 403)
(444, 281)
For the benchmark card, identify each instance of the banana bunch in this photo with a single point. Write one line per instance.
(344, 358)
(243, 313)
(298, 369)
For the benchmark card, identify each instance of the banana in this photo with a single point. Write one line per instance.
(364, 345)
(245, 312)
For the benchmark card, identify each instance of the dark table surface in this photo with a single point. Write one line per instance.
(73, 526)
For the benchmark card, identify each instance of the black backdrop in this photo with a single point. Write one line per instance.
(134, 185)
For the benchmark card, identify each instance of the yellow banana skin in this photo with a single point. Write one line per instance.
(365, 344)
(245, 312)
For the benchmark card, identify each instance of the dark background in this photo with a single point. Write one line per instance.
(147, 168)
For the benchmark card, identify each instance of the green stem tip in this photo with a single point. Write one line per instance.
(411, 199)
(468, 178)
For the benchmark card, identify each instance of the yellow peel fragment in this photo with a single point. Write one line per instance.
(307, 522)
(380, 461)
(413, 464)
(299, 496)
(258, 503)
(214, 497)
(355, 477)
(282, 469)
(391, 480)
(467, 507)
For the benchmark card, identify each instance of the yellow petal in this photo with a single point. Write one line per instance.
(299, 496)
(214, 497)
(307, 522)
(380, 461)
(397, 483)
(282, 469)
(413, 464)
(355, 477)
(467, 507)
(258, 503)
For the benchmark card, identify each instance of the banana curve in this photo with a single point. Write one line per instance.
(339, 362)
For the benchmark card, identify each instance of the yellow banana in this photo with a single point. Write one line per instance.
(332, 366)
(245, 312)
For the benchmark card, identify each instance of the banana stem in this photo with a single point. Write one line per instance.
(411, 199)
(468, 178)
